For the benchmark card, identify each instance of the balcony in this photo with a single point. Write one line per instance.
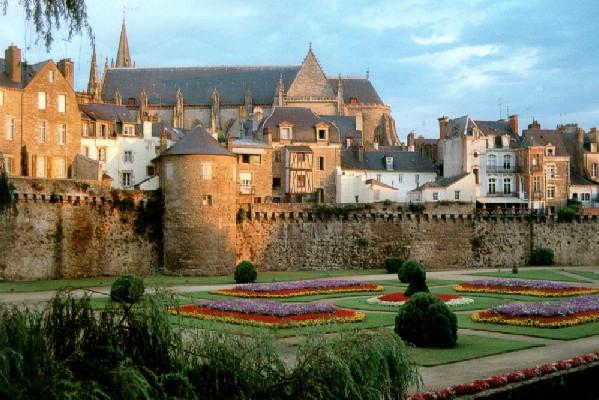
(502, 194)
(246, 189)
(537, 196)
(500, 169)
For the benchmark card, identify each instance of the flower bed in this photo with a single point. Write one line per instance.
(544, 314)
(398, 299)
(299, 288)
(498, 381)
(267, 313)
(529, 287)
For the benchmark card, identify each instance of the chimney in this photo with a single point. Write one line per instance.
(534, 125)
(443, 127)
(411, 141)
(268, 135)
(163, 140)
(513, 121)
(360, 153)
(12, 63)
(230, 143)
(67, 69)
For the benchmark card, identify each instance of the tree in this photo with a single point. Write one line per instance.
(48, 15)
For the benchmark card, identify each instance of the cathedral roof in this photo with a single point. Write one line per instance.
(197, 141)
(359, 88)
(107, 112)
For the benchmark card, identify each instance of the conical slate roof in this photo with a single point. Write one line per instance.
(198, 141)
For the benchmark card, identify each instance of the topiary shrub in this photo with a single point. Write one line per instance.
(416, 208)
(426, 321)
(245, 272)
(393, 264)
(127, 289)
(541, 256)
(406, 270)
(567, 214)
(418, 282)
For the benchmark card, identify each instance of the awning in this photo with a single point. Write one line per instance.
(501, 200)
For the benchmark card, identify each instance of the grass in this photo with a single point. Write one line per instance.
(586, 274)
(372, 320)
(517, 297)
(164, 280)
(468, 347)
(541, 274)
(567, 333)
(429, 282)
(360, 304)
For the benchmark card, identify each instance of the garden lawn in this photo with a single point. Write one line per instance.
(468, 347)
(372, 320)
(164, 280)
(541, 274)
(567, 333)
(514, 297)
(586, 274)
(361, 304)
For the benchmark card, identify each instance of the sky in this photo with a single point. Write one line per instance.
(487, 59)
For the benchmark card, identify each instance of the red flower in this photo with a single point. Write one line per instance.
(444, 393)
(589, 357)
(496, 381)
(422, 396)
(562, 364)
(547, 368)
(530, 373)
(515, 376)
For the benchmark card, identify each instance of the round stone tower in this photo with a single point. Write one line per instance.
(198, 181)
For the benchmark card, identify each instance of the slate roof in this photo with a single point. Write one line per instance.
(578, 180)
(231, 82)
(464, 124)
(422, 140)
(542, 137)
(403, 161)
(345, 124)
(107, 112)
(198, 141)
(495, 127)
(27, 73)
(443, 182)
(304, 122)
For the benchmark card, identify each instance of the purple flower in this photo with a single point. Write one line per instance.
(527, 283)
(266, 307)
(548, 308)
(294, 285)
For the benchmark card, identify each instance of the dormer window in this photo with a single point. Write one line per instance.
(322, 132)
(128, 130)
(285, 131)
(353, 100)
(131, 101)
(389, 163)
(550, 151)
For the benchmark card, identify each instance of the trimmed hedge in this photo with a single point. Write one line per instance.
(426, 321)
(542, 256)
(127, 289)
(418, 282)
(407, 269)
(393, 264)
(245, 272)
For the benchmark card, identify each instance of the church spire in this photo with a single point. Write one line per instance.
(92, 85)
(123, 59)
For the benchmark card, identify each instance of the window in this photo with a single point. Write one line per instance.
(127, 179)
(207, 200)
(1, 98)
(131, 101)
(102, 154)
(400, 178)
(62, 103)
(389, 163)
(301, 157)
(301, 181)
(551, 192)
(169, 170)
(62, 133)
(476, 177)
(206, 172)
(536, 160)
(353, 100)
(507, 185)
(536, 184)
(491, 185)
(322, 134)
(103, 131)
(435, 196)
(7, 164)
(85, 151)
(491, 162)
(551, 171)
(245, 182)
(321, 163)
(276, 183)
(507, 162)
(84, 129)
(575, 196)
(456, 195)
(595, 170)
(585, 196)
(41, 100)
(278, 156)
(60, 168)
(150, 170)
(10, 128)
(51, 76)
(128, 156)
(40, 167)
(285, 133)
(128, 130)
(42, 131)
(245, 158)
(498, 142)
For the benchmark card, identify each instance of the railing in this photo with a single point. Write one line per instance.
(246, 189)
(500, 169)
(502, 194)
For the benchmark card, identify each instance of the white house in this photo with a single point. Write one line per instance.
(382, 174)
(585, 191)
(125, 149)
(458, 188)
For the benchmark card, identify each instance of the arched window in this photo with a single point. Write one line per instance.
(491, 185)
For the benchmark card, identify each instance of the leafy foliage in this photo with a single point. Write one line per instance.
(418, 282)
(426, 321)
(393, 264)
(245, 272)
(127, 289)
(7, 190)
(567, 214)
(407, 269)
(149, 218)
(416, 208)
(542, 256)
(47, 16)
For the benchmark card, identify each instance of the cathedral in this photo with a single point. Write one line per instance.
(232, 101)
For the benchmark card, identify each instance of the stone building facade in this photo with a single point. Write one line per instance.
(39, 117)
